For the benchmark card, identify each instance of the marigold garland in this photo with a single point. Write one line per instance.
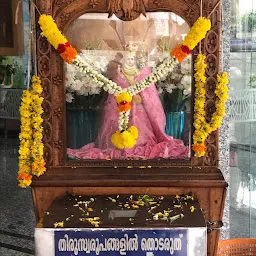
(202, 127)
(179, 54)
(123, 96)
(123, 101)
(51, 31)
(194, 36)
(69, 54)
(24, 176)
(123, 106)
(197, 32)
(56, 38)
(125, 139)
(37, 151)
(31, 161)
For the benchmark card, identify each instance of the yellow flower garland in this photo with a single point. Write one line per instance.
(31, 134)
(194, 36)
(125, 96)
(51, 31)
(125, 139)
(56, 38)
(24, 176)
(202, 128)
(37, 151)
(197, 32)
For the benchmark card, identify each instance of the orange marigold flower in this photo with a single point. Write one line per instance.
(42, 164)
(69, 54)
(178, 53)
(24, 176)
(123, 107)
(199, 148)
(34, 167)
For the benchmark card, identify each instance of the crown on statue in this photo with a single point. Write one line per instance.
(131, 47)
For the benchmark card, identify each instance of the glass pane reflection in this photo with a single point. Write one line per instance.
(243, 128)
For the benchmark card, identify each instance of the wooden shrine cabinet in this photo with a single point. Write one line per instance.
(200, 176)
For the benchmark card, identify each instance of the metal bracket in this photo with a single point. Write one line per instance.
(214, 225)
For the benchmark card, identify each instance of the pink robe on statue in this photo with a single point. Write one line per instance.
(148, 117)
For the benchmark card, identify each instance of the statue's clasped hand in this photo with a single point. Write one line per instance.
(137, 98)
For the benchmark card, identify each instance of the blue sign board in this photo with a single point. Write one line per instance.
(151, 242)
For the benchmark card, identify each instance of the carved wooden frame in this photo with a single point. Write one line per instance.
(50, 67)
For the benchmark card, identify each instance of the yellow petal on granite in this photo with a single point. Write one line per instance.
(81, 209)
(192, 208)
(59, 224)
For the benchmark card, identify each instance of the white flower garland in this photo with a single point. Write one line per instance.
(123, 121)
(112, 88)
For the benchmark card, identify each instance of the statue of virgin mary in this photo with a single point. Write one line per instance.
(146, 114)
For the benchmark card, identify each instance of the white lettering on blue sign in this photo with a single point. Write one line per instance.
(123, 245)
(160, 242)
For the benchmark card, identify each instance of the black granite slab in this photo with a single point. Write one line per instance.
(124, 211)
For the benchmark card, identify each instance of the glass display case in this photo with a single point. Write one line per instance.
(127, 52)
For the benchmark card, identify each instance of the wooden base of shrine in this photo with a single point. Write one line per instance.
(206, 183)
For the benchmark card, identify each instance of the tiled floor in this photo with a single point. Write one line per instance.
(17, 220)
(241, 224)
